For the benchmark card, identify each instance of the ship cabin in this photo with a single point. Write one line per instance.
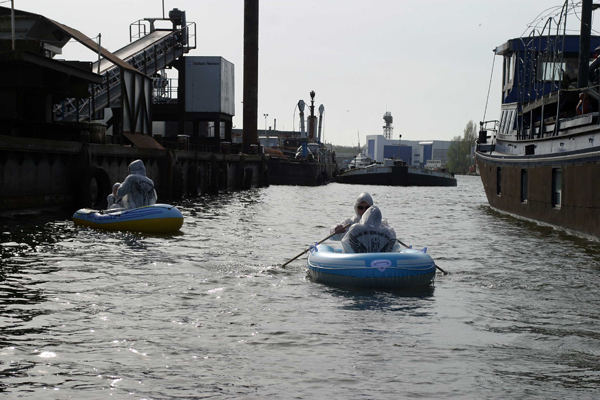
(540, 87)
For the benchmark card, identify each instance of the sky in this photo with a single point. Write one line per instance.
(428, 62)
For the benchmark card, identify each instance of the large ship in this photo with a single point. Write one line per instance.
(363, 170)
(541, 159)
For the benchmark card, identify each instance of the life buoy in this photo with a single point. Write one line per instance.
(218, 178)
(92, 188)
(196, 180)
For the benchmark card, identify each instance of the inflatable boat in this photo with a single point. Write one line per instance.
(158, 218)
(405, 269)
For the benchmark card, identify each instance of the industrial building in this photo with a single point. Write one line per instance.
(414, 153)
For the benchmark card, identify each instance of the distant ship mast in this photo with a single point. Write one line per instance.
(388, 129)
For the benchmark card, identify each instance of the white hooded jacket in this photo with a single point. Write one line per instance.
(137, 190)
(113, 201)
(366, 197)
(370, 235)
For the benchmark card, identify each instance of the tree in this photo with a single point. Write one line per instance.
(460, 151)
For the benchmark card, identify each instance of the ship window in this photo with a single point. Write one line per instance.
(556, 187)
(511, 126)
(551, 71)
(530, 149)
(507, 121)
(503, 121)
(499, 181)
(509, 70)
(524, 186)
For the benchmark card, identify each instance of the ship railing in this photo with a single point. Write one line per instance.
(149, 60)
(485, 142)
(543, 70)
(491, 125)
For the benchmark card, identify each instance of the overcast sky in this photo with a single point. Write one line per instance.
(428, 62)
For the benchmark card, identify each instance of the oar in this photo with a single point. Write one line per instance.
(309, 247)
(443, 272)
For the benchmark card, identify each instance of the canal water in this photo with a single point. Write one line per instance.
(210, 313)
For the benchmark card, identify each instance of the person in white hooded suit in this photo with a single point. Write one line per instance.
(361, 205)
(137, 189)
(113, 200)
(370, 235)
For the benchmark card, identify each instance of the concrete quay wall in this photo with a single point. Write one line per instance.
(40, 173)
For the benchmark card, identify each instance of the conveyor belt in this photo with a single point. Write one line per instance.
(149, 54)
(132, 49)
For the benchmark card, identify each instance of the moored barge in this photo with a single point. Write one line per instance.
(396, 173)
(311, 164)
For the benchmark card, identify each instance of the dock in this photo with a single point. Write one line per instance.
(69, 129)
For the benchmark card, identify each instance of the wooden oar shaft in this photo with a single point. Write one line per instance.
(443, 272)
(309, 247)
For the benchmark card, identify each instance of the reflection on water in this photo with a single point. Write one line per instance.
(208, 312)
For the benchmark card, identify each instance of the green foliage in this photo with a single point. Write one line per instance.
(460, 151)
(346, 149)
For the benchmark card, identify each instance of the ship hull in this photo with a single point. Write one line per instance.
(579, 208)
(396, 176)
(300, 173)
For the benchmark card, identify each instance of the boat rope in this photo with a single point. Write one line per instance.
(489, 87)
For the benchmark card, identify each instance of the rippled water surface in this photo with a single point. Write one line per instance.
(210, 313)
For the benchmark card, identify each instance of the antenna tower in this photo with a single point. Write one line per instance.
(388, 129)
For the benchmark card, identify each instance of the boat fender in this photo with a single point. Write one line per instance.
(196, 181)
(381, 264)
(248, 178)
(86, 197)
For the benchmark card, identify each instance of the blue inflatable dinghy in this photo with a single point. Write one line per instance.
(405, 269)
(157, 218)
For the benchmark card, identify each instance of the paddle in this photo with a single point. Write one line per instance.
(444, 272)
(309, 247)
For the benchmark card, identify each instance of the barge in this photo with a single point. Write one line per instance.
(312, 163)
(396, 173)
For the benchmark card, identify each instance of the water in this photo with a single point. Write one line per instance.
(208, 313)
